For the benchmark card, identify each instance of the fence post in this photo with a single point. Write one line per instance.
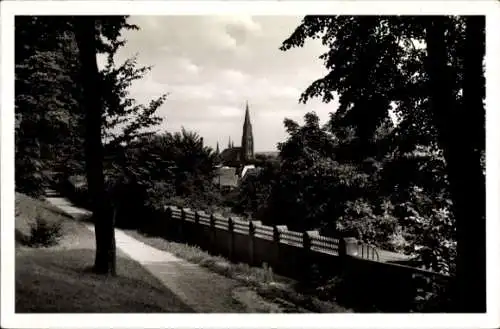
(342, 247)
(251, 232)
(346, 249)
(306, 243)
(166, 225)
(196, 218)
(251, 240)
(212, 233)
(277, 229)
(196, 228)
(230, 227)
(180, 224)
(307, 255)
(347, 245)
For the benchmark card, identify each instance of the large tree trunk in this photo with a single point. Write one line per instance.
(465, 175)
(105, 258)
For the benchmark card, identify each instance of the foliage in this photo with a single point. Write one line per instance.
(432, 236)
(156, 170)
(396, 78)
(321, 184)
(124, 119)
(251, 198)
(429, 71)
(49, 115)
(375, 62)
(46, 101)
(45, 234)
(311, 187)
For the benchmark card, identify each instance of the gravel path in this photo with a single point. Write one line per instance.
(202, 290)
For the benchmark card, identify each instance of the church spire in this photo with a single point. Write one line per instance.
(229, 143)
(247, 137)
(217, 149)
(247, 114)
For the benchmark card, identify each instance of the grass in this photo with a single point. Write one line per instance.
(57, 279)
(27, 209)
(277, 289)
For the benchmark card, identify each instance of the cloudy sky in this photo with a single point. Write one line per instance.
(211, 65)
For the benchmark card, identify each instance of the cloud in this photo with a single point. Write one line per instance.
(212, 64)
(226, 111)
(187, 66)
(232, 76)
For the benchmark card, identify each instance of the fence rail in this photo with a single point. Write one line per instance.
(368, 251)
(325, 244)
(291, 238)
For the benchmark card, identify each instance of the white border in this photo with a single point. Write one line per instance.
(492, 76)
(10, 8)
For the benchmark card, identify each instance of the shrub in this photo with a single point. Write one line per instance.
(432, 296)
(45, 234)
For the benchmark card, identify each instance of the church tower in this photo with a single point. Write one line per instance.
(247, 138)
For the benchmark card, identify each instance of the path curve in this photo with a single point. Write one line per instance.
(204, 291)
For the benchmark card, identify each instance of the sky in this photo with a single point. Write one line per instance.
(211, 65)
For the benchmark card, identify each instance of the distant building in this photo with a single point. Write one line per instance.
(247, 138)
(249, 171)
(246, 169)
(240, 155)
(226, 178)
(237, 163)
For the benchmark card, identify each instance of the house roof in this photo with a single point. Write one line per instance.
(226, 176)
(245, 169)
(249, 172)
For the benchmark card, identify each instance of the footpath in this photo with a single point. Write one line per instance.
(202, 290)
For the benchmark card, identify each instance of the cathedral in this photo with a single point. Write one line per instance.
(240, 155)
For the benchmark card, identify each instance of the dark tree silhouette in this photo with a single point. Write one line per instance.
(438, 90)
(85, 33)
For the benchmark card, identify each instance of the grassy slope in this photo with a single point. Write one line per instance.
(27, 209)
(56, 279)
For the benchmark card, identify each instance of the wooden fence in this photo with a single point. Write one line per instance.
(286, 251)
(299, 255)
(258, 243)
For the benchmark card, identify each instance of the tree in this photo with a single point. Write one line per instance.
(85, 33)
(194, 162)
(47, 101)
(255, 191)
(423, 67)
(157, 169)
(54, 119)
(321, 185)
(462, 156)
(102, 35)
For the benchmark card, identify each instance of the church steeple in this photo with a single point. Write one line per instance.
(229, 143)
(247, 137)
(217, 151)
